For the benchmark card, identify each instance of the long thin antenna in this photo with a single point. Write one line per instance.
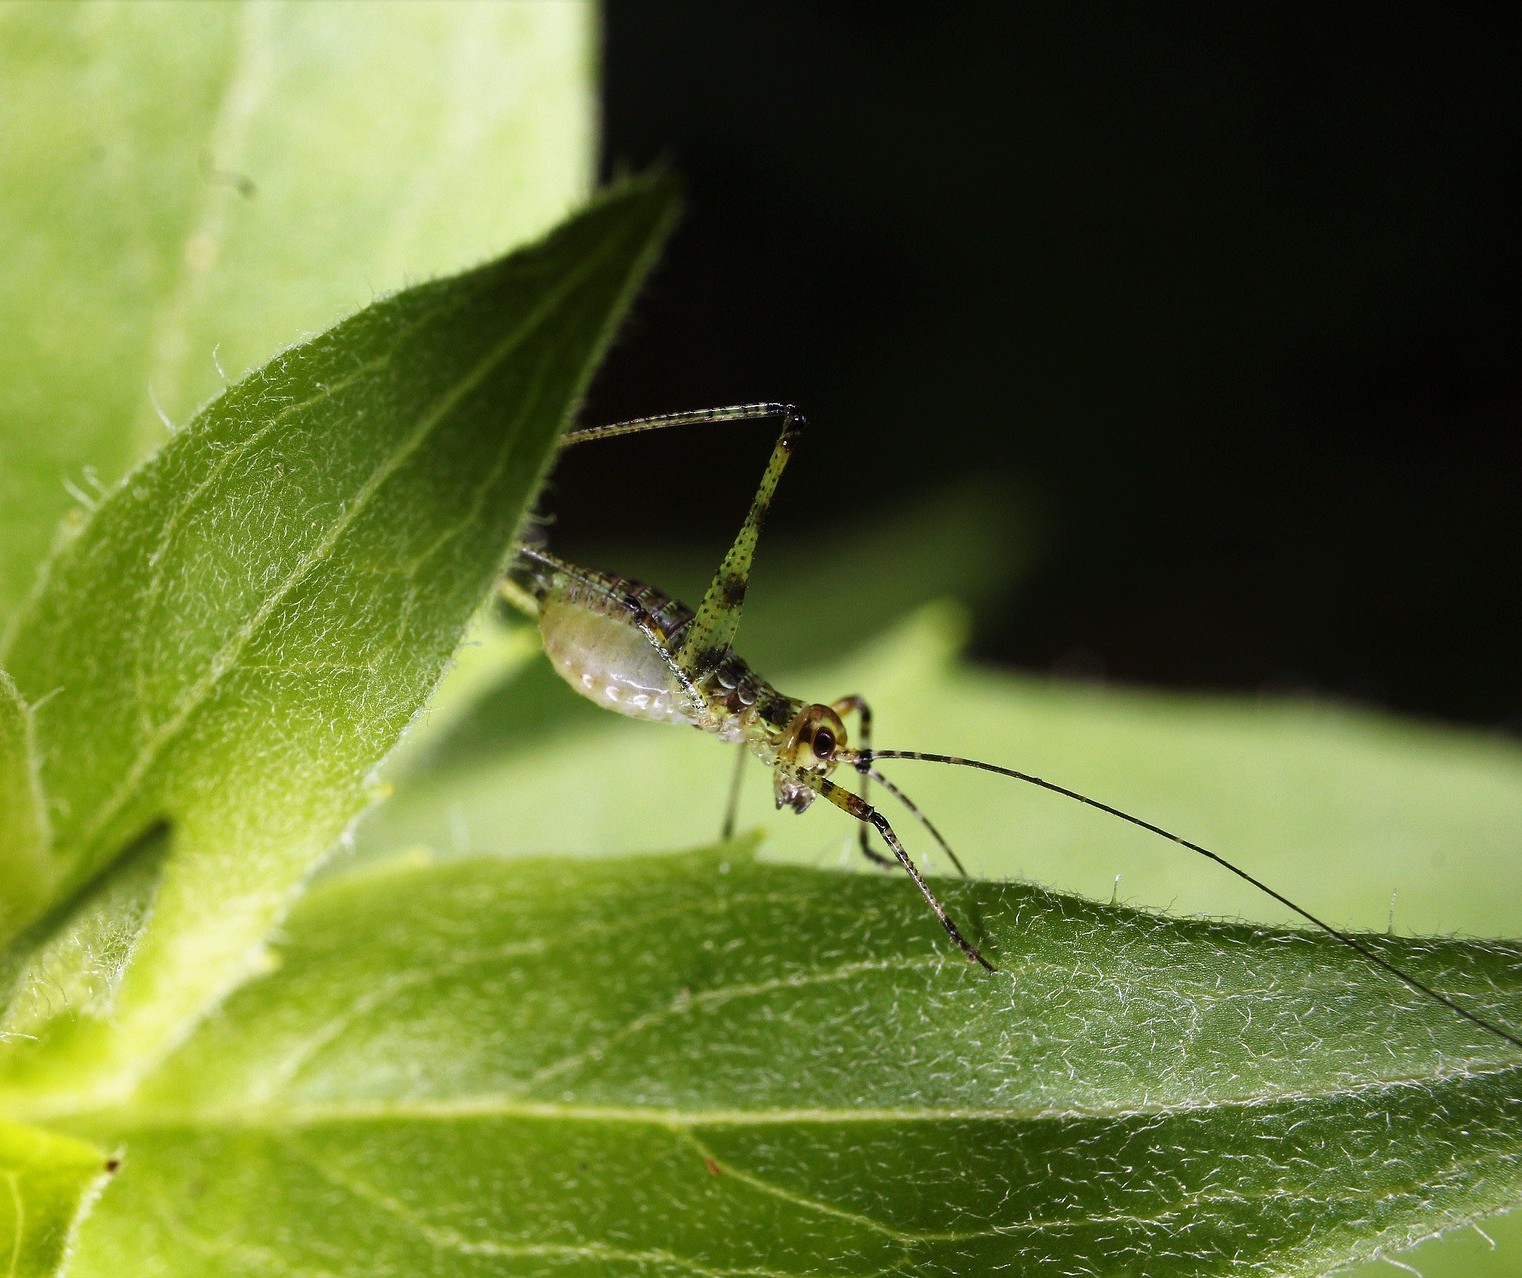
(867, 758)
(919, 816)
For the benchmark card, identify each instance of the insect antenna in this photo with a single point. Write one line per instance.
(919, 816)
(866, 758)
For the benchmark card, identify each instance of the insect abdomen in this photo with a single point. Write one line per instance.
(605, 656)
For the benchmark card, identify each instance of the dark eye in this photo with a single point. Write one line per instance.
(824, 743)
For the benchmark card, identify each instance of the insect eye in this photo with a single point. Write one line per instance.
(824, 743)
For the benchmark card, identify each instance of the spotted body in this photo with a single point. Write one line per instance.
(615, 642)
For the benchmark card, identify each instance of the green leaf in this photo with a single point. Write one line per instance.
(1340, 807)
(24, 834)
(69, 966)
(242, 631)
(188, 185)
(706, 1065)
(46, 1184)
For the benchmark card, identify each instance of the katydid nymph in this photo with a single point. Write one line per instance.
(633, 649)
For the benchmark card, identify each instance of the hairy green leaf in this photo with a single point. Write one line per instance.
(184, 186)
(46, 1183)
(244, 629)
(1339, 807)
(705, 1065)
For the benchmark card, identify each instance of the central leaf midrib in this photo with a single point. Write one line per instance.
(511, 1106)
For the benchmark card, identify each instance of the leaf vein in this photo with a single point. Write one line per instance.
(445, 1237)
(683, 1004)
(214, 472)
(511, 1106)
(819, 1206)
(225, 660)
(457, 962)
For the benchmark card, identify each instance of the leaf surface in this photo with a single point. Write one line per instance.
(706, 1065)
(184, 186)
(46, 1183)
(1364, 818)
(244, 629)
(23, 820)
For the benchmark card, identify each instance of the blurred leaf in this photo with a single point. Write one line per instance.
(1489, 1249)
(46, 1182)
(183, 185)
(705, 1065)
(23, 821)
(972, 543)
(241, 632)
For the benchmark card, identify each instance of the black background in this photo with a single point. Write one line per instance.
(1225, 301)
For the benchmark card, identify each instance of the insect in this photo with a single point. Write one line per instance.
(635, 650)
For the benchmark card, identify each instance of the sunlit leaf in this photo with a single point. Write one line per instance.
(184, 186)
(23, 821)
(46, 1184)
(704, 1065)
(242, 631)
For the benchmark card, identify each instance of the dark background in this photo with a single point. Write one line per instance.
(1213, 315)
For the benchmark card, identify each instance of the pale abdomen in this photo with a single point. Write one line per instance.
(610, 661)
